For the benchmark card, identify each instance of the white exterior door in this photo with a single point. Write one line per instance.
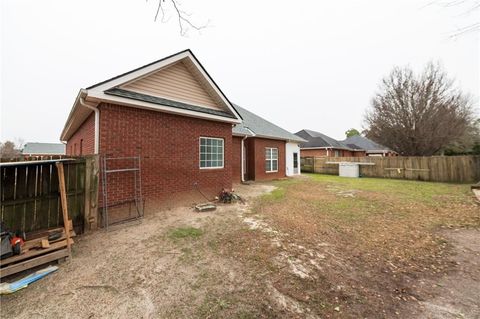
(292, 153)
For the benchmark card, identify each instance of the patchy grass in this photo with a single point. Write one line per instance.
(424, 192)
(185, 232)
(376, 239)
(275, 195)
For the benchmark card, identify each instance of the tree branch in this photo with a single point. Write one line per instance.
(183, 17)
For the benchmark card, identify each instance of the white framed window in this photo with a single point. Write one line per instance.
(271, 159)
(211, 152)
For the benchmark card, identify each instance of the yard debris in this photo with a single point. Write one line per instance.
(9, 288)
(40, 247)
(476, 192)
(227, 197)
(206, 207)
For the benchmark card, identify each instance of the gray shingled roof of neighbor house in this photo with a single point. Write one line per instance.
(254, 125)
(44, 148)
(365, 143)
(317, 139)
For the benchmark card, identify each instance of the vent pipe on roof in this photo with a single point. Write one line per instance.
(97, 122)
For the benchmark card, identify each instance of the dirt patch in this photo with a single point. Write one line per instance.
(457, 294)
(299, 248)
(166, 266)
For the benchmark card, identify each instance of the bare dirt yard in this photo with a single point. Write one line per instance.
(310, 247)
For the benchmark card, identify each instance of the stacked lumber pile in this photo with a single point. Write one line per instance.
(39, 248)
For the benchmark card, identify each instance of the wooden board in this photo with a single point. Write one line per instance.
(63, 199)
(35, 252)
(37, 242)
(27, 264)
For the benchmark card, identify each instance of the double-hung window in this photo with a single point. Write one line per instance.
(211, 152)
(271, 159)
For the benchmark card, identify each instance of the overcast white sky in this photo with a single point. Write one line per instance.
(308, 64)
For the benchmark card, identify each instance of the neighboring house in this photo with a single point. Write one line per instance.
(173, 116)
(319, 145)
(43, 149)
(268, 151)
(371, 148)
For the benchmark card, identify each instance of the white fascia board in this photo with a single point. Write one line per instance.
(314, 148)
(213, 85)
(137, 74)
(69, 122)
(241, 135)
(102, 97)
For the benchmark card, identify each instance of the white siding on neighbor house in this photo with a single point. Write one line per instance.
(174, 82)
(292, 148)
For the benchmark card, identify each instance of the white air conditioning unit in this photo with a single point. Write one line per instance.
(349, 170)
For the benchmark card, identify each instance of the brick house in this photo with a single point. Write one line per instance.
(173, 116)
(34, 149)
(269, 151)
(321, 145)
(371, 148)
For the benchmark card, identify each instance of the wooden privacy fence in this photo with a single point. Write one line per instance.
(458, 169)
(30, 198)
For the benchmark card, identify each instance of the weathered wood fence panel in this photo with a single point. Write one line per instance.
(30, 198)
(458, 169)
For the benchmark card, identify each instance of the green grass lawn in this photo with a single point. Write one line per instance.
(395, 220)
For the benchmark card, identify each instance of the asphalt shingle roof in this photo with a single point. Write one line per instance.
(317, 139)
(44, 148)
(167, 102)
(365, 143)
(257, 125)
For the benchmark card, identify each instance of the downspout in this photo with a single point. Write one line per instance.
(243, 153)
(243, 158)
(97, 123)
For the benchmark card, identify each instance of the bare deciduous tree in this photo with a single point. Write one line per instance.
(9, 150)
(183, 18)
(418, 114)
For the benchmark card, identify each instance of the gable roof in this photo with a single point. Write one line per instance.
(254, 125)
(112, 91)
(365, 143)
(319, 140)
(33, 148)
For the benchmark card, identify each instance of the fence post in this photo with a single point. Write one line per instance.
(91, 192)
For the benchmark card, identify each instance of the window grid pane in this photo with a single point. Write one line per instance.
(271, 159)
(211, 152)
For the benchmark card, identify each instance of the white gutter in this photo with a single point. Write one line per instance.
(97, 121)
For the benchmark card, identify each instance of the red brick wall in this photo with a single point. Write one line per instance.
(84, 136)
(169, 148)
(313, 153)
(359, 153)
(237, 159)
(256, 158)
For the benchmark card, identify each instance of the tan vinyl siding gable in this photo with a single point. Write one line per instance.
(177, 83)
